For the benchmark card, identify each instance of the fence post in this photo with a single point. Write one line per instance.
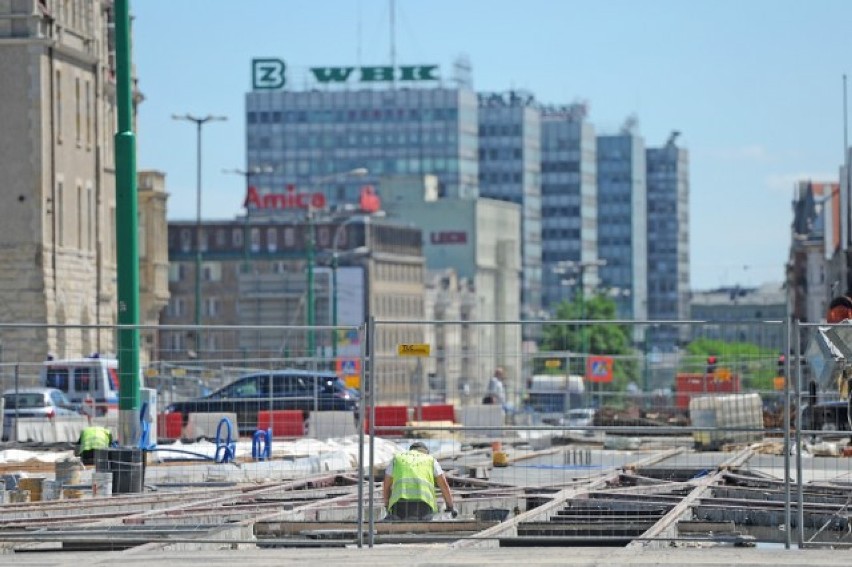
(800, 513)
(371, 392)
(362, 336)
(787, 350)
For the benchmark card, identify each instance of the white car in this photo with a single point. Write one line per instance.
(34, 402)
(581, 417)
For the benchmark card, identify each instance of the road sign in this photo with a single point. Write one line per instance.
(599, 369)
(413, 350)
(349, 370)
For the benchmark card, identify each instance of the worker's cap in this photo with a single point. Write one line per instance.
(419, 446)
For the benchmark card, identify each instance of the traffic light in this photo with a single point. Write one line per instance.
(782, 367)
(711, 364)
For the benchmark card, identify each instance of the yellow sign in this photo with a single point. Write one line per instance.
(151, 372)
(552, 363)
(178, 372)
(413, 350)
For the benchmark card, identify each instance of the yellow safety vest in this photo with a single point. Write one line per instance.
(414, 479)
(95, 438)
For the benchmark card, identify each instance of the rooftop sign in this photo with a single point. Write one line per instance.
(268, 73)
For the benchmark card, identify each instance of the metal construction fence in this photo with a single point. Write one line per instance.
(550, 432)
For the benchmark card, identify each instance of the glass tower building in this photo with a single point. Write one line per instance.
(311, 138)
(622, 223)
(569, 234)
(668, 240)
(510, 170)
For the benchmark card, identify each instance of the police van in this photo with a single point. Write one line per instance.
(90, 381)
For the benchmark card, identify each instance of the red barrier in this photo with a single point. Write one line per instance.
(169, 425)
(387, 416)
(442, 412)
(284, 423)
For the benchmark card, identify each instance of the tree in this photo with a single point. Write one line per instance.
(609, 339)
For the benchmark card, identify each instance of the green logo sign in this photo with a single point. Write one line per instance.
(375, 74)
(267, 73)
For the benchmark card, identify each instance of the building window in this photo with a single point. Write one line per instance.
(60, 215)
(175, 272)
(175, 307)
(88, 115)
(272, 239)
(79, 217)
(90, 214)
(78, 112)
(237, 237)
(57, 88)
(211, 306)
(185, 240)
(211, 271)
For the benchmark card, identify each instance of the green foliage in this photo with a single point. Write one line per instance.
(756, 366)
(607, 339)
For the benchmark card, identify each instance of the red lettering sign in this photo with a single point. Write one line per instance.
(288, 200)
(448, 237)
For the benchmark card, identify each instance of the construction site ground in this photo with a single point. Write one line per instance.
(571, 499)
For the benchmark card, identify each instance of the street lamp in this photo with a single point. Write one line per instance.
(309, 311)
(199, 122)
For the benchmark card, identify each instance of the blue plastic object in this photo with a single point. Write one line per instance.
(264, 438)
(225, 450)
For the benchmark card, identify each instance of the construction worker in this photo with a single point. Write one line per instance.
(408, 489)
(91, 438)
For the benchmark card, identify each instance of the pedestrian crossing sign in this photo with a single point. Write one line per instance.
(599, 369)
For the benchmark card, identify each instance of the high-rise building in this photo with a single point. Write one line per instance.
(668, 240)
(622, 222)
(312, 137)
(569, 235)
(510, 170)
(58, 117)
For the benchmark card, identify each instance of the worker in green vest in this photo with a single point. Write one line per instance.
(408, 489)
(91, 438)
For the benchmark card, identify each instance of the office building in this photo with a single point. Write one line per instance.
(510, 170)
(736, 314)
(668, 241)
(255, 273)
(622, 222)
(480, 241)
(569, 235)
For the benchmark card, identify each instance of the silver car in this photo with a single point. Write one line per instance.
(34, 402)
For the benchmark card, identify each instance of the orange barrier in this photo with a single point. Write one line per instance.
(440, 412)
(284, 423)
(387, 416)
(169, 425)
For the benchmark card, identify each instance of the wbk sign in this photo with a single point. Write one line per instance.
(269, 73)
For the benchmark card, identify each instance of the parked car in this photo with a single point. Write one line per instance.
(34, 402)
(581, 417)
(277, 390)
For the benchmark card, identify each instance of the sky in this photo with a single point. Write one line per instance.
(754, 87)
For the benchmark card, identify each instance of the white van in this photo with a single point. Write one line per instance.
(91, 382)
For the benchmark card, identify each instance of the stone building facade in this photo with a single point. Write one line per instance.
(57, 179)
